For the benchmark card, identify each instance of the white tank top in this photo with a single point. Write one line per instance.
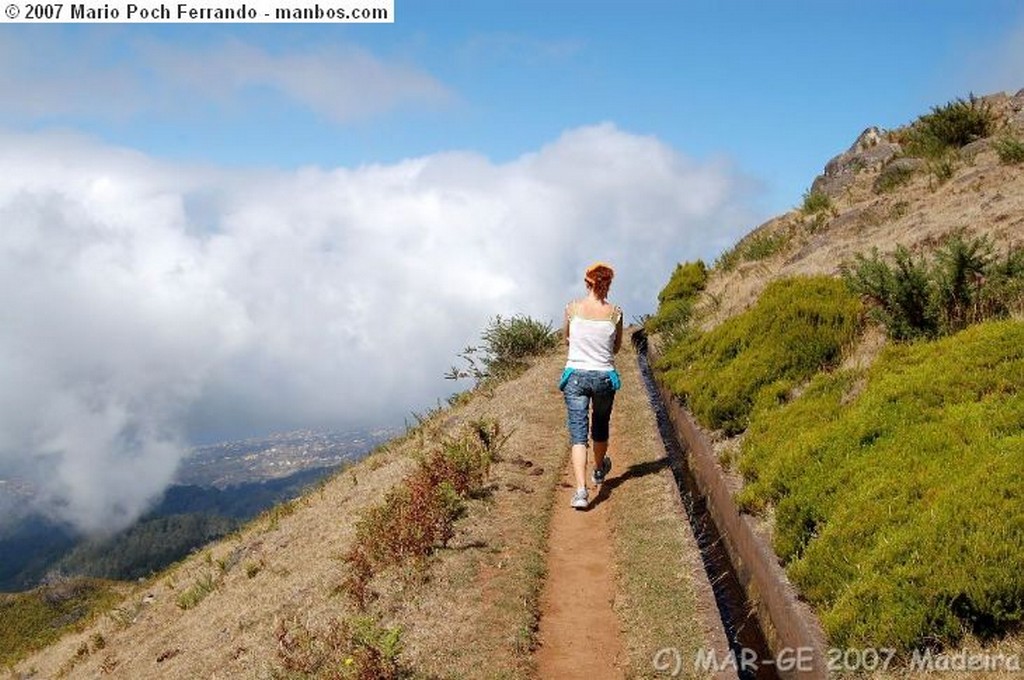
(592, 341)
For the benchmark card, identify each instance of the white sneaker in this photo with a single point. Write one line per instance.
(579, 499)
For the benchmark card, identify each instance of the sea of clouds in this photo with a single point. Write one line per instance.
(146, 305)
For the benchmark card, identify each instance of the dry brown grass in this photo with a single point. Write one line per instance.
(283, 564)
(476, 617)
(664, 597)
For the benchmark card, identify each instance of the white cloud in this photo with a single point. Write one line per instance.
(80, 76)
(143, 302)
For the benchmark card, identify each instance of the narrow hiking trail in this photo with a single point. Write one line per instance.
(624, 577)
(579, 629)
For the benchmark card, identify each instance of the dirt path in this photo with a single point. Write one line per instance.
(580, 633)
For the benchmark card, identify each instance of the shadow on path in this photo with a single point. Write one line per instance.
(634, 471)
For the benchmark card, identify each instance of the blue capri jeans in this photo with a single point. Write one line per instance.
(583, 388)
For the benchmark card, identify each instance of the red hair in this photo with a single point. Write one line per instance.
(599, 278)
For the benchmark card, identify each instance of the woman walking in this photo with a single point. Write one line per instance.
(593, 332)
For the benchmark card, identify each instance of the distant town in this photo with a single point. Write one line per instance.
(246, 461)
(279, 455)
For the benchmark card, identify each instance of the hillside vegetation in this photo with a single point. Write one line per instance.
(797, 327)
(899, 491)
(890, 476)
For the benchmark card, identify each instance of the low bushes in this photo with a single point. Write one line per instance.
(898, 493)
(677, 299)
(1009, 149)
(755, 247)
(418, 516)
(361, 649)
(964, 282)
(948, 128)
(508, 344)
(815, 202)
(797, 327)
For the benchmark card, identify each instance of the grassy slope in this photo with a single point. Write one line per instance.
(899, 491)
(281, 565)
(659, 567)
(797, 326)
(983, 195)
(34, 619)
(895, 489)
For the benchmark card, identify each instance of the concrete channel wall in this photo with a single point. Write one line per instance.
(793, 632)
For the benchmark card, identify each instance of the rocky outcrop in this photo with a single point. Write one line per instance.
(870, 152)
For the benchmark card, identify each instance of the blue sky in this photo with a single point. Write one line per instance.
(776, 87)
(214, 232)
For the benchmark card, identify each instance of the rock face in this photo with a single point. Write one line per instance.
(1016, 108)
(871, 151)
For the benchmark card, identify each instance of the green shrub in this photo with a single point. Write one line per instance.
(728, 260)
(507, 346)
(960, 269)
(899, 293)
(892, 178)
(419, 515)
(763, 246)
(942, 168)
(755, 247)
(816, 202)
(797, 327)
(898, 492)
(677, 299)
(687, 281)
(949, 127)
(1010, 150)
(509, 342)
(964, 282)
(197, 592)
